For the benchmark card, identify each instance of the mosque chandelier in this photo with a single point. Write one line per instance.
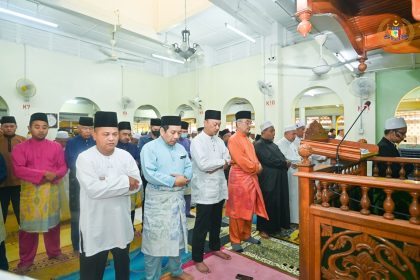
(184, 50)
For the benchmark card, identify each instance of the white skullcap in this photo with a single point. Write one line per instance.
(289, 128)
(62, 135)
(266, 125)
(300, 124)
(136, 135)
(394, 123)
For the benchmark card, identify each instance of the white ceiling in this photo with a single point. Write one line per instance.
(83, 36)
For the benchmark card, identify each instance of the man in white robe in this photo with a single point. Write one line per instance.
(210, 158)
(167, 169)
(107, 176)
(290, 151)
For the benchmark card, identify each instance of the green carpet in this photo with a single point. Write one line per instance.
(277, 253)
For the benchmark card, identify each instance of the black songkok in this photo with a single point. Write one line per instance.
(224, 132)
(184, 125)
(38, 117)
(212, 114)
(155, 122)
(8, 119)
(171, 120)
(124, 126)
(105, 119)
(86, 121)
(200, 129)
(243, 115)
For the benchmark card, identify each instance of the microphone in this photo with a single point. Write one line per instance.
(338, 165)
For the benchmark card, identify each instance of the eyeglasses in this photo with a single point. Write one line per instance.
(400, 134)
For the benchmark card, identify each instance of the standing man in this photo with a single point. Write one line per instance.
(10, 188)
(210, 158)
(74, 147)
(107, 177)
(154, 134)
(394, 133)
(4, 264)
(167, 169)
(273, 182)
(245, 197)
(124, 136)
(289, 150)
(300, 131)
(225, 135)
(186, 143)
(40, 165)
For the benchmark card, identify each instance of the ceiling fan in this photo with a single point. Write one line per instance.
(322, 66)
(113, 55)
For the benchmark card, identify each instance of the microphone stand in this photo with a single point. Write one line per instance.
(338, 165)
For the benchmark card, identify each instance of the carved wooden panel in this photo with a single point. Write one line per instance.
(349, 254)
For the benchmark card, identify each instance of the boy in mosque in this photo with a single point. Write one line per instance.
(186, 143)
(245, 195)
(107, 176)
(124, 135)
(340, 134)
(289, 150)
(74, 147)
(394, 133)
(273, 182)
(10, 188)
(167, 169)
(40, 165)
(331, 133)
(209, 158)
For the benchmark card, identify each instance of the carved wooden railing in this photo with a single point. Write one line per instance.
(340, 243)
(402, 161)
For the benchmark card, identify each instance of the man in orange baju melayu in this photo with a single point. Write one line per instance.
(245, 197)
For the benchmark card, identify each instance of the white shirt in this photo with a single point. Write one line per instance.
(208, 153)
(289, 150)
(105, 199)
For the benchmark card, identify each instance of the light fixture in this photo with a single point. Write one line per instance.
(185, 50)
(343, 60)
(30, 18)
(168, 58)
(348, 66)
(237, 31)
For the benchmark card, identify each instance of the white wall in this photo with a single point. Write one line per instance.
(294, 82)
(59, 77)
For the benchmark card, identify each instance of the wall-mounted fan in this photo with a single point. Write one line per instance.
(265, 88)
(196, 102)
(126, 102)
(26, 88)
(362, 87)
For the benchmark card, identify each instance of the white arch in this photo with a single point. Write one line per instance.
(4, 108)
(237, 104)
(407, 108)
(145, 113)
(185, 112)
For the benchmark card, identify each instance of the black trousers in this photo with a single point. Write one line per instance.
(74, 203)
(208, 219)
(12, 194)
(4, 265)
(93, 267)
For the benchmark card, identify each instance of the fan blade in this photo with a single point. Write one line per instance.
(105, 52)
(132, 60)
(105, 61)
(295, 66)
